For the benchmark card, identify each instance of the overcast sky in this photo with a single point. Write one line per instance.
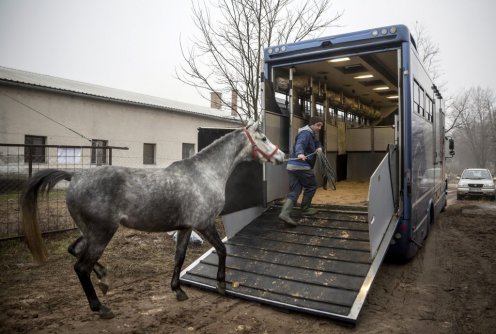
(134, 45)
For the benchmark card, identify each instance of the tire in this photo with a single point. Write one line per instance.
(459, 197)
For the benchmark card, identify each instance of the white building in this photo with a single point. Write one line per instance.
(40, 109)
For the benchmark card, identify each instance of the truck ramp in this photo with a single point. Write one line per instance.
(322, 266)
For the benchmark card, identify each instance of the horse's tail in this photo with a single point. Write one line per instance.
(42, 181)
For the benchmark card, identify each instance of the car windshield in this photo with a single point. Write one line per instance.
(476, 174)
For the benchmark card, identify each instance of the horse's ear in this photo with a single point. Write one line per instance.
(258, 126)
(254, 125)
(250, 123)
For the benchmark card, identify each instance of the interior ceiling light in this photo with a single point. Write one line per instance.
(392, 97)
(381, 88)
(338, 60)
(364, 76)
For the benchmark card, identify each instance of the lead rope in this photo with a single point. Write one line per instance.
(306, 156)
(328, 172)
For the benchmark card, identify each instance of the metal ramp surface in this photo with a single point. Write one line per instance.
(321, 266)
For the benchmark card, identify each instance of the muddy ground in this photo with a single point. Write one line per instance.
(449, 287)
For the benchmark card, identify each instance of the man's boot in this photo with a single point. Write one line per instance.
(286, 211)
(306, 202)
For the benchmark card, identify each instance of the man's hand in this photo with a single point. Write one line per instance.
(319, 149)
(302, 157)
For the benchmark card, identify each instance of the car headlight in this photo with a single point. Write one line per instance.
(488, 186)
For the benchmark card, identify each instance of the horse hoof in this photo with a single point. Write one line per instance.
(181, 296)
(221, 288)
(104, 286)
(105, 313)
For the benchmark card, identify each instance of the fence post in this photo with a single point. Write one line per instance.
(110, 156)
(30, 161)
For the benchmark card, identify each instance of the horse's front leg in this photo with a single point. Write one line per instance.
(181, 245)
(212, 236)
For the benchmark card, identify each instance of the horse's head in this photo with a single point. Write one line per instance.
(262, 149)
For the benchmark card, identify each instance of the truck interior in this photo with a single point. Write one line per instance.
(360, 94)
(363, 86)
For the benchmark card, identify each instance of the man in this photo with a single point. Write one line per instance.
(300, 170)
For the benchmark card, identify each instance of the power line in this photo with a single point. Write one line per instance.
(39, 112)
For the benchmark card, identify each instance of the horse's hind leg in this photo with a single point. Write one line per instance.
(101, 272)
(210, 233)
(181, 245)
(95, 245)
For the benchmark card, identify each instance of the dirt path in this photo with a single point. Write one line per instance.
(449, 287)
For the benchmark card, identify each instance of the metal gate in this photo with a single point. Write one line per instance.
(18, 162)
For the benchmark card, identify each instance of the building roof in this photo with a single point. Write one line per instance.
(81, 88)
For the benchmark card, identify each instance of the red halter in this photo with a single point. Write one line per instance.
(256, 149)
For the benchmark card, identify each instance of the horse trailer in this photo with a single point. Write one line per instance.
(384, 127)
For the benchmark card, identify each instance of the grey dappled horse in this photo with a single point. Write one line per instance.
(189, 194)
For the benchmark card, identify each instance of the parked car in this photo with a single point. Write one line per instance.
(476, 182)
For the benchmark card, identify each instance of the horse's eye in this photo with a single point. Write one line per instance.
(264, 139)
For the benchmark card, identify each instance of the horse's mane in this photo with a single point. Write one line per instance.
(213, 146)
(208, 150)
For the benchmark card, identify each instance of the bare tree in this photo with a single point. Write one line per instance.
(491, 110)
(428, 51)
(227, 56)
(477, 124)
(456, 107)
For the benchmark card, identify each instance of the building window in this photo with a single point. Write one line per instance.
(148, 154)
(188, 150)
(35, 154)
(98, 155)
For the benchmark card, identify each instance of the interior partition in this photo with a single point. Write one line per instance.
(356, 152)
